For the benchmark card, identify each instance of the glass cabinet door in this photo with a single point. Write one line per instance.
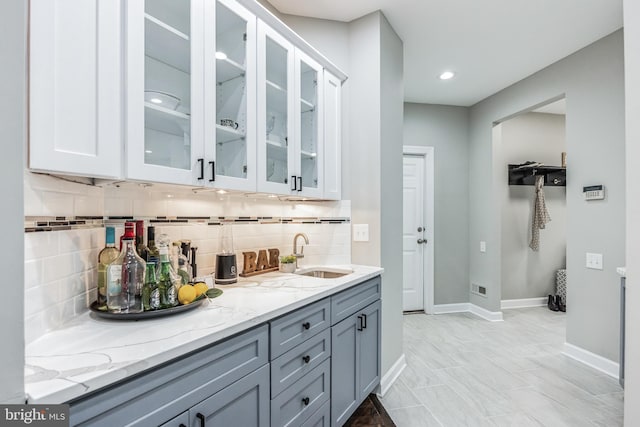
(161, 72)
(235, 96)
(275, 112)
(309, 125)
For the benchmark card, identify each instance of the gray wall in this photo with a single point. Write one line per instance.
(525, 273)
(370, 52)
(632, 98)
(13, 112)
(592, 80)
(446, 129)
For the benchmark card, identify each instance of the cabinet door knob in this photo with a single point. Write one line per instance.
(306, 358)
(305, 401)
(306, 325)
(213, 171)
(201, 418)
(201, 161)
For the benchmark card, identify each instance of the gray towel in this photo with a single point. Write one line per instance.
(540, 214)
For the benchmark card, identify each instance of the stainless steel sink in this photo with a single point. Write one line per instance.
(324, 274)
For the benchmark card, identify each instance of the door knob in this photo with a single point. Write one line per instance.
(420, 229)
(422, 241)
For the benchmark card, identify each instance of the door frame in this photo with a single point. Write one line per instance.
(427, 153)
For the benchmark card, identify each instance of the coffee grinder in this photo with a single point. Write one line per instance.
(226, 268)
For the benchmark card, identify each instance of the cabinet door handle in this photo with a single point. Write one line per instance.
(306, 325)
(294, 183)
(182, 425)
(306, 358)
(364, 317)
(305, 401)
(213, 171)
(299, 183)
(201, 161)
(201, 418)
(359, 327)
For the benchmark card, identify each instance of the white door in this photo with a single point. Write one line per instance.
(413, 233)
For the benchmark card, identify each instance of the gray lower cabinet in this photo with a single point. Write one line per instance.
(320, 418)
(181, 420)
(243, 403)
(355, 361)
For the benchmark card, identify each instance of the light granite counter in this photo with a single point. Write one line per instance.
(90, 352)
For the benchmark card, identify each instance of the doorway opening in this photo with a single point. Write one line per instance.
(531, 150)
(417, 229)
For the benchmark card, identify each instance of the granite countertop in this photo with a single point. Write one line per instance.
(90, 352)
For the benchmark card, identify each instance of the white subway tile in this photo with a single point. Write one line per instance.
(85, 205)
(115, 206)
(60, 266)
(33, 275)
(34, 327)
(57, 204)
(40, 244)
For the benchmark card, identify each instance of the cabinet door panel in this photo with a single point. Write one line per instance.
(243, 403)
(181, 420)
(332, 157)
(369, 350)
(345, 392)
(74, 96)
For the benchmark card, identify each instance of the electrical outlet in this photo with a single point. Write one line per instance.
(594, 261)
(483, 246)
(360, 232)
(478, 290)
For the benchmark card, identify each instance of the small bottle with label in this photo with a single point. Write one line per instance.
(166, 285)
(150, 291)
(106, 256)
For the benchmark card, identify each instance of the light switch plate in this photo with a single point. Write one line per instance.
(360, 232)
(594, 261)
(483, 246)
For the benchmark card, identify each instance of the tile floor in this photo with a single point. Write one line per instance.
(465, 371)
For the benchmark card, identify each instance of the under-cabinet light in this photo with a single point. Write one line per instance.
(221, 192)
(148, 151)
(221, 55)
(447, 75)
(156, 100)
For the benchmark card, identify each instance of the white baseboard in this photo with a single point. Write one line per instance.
(392, 375)
(492, 316)
(598, 362)
(467, 307)
(451, 308)
(521, 303)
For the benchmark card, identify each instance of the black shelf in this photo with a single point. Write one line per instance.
(554, 176)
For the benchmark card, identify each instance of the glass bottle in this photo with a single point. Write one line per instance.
(150, 291)
(166, 286)
(125, 276)
(106, 256)
(152, 250)
(142, 250)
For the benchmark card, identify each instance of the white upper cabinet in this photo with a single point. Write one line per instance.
(165, 91)
(74, 87)
(332, 136)
(230, 113)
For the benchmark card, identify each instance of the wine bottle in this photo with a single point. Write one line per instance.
(152, 250)
(150, 291)
(125, 277)
(106, 256)
(142, 250)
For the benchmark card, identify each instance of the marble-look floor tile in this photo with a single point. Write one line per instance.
(614, 400)
(416, 374)
(398, 396)
(448, 406)
(415, 416)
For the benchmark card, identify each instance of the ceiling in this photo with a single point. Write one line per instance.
(489, 44)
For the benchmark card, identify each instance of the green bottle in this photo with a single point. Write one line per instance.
(168, 293)
(150, 291)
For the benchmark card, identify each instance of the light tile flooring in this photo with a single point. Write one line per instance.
(465, 371)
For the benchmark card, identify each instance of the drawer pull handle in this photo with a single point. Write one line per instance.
(182, 425)
(359, 326)
(201, 418)
(306, 358)
(305, 401)
(364, 317)
(306, 325)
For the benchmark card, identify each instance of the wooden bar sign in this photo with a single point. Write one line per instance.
(257, 264)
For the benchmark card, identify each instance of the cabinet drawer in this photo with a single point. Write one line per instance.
(159, 394)
(295, 363)
(348, 302)
(320, 418)
(294, 405)
(294, 328)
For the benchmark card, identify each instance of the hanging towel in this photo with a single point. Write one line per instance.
(540, 214)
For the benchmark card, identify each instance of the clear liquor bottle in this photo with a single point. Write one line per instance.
(166, 285)
(125, 277)
(150, 290)
(106, 256)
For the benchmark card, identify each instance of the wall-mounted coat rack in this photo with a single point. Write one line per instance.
(554, 176)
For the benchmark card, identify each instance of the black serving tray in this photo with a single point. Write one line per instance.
(211, 293)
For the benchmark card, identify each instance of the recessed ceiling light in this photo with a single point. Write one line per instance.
(221, 55)
(447, 75)
(156, 100)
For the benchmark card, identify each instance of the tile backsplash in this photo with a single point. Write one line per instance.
(61, 266)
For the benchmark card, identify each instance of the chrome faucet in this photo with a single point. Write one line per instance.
(295, 246)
